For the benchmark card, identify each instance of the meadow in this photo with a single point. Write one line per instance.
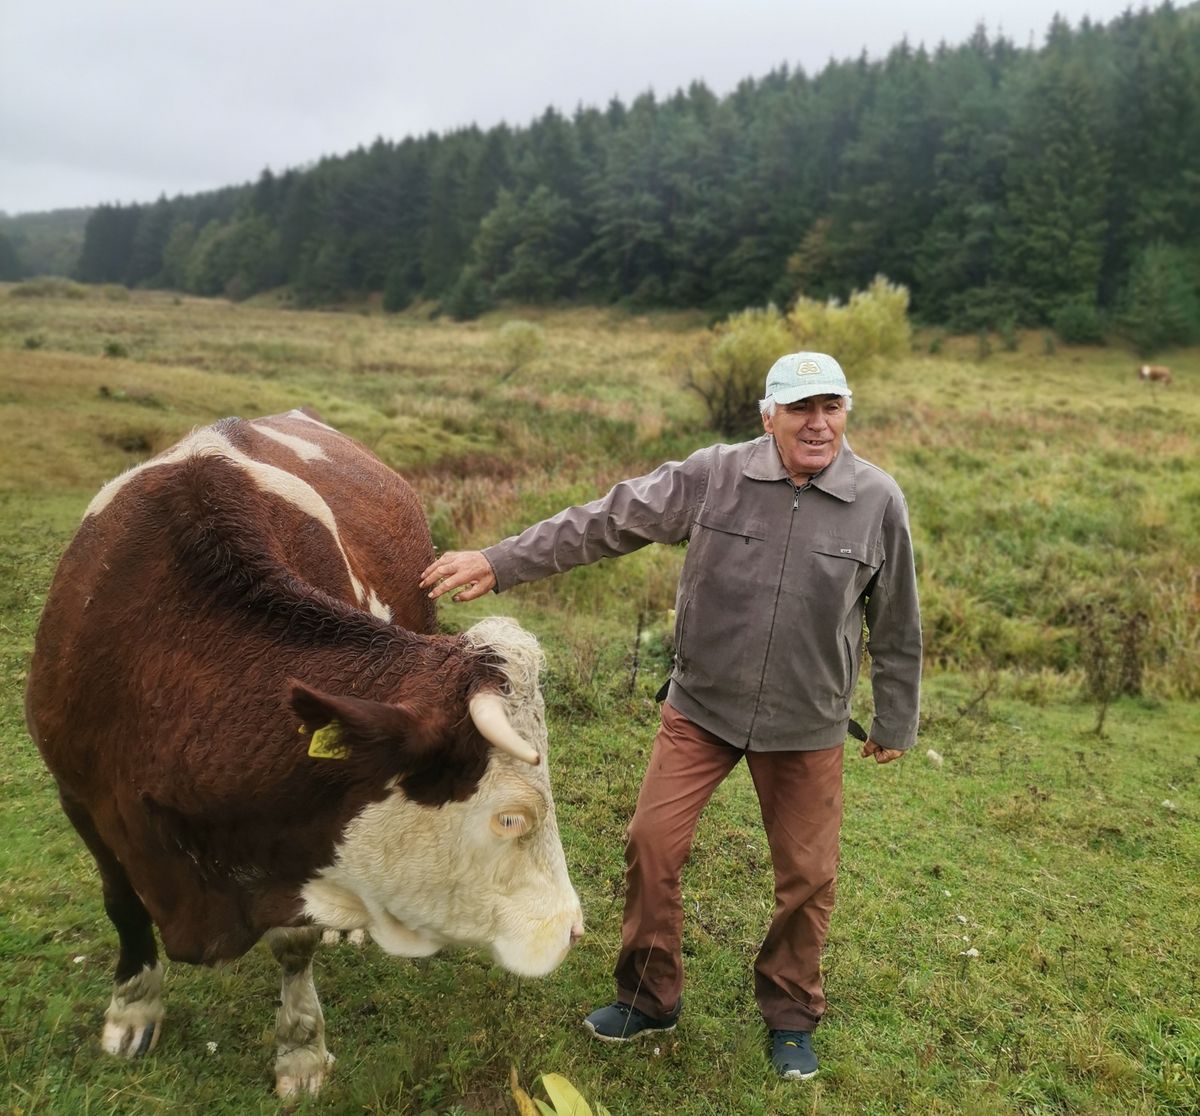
(1017, 921)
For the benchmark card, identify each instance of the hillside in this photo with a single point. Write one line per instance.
(1015, 918)
(999, 183)
(46, 243)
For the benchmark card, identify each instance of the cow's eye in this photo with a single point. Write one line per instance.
(511, 823)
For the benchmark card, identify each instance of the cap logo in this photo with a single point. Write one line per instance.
(808, 368)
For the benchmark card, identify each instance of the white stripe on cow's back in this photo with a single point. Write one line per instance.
(270, 478)
(377, 607)
(297, 413)
(305, 450)
(105, 496)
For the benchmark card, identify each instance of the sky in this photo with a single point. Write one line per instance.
(126, 100)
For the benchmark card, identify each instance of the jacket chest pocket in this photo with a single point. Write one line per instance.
(732, 539)
(729, 528)
(843, 567)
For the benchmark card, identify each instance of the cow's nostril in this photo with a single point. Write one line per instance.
(576, 932)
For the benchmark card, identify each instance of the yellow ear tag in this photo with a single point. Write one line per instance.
(326, 743)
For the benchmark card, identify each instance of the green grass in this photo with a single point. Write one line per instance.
(1068, 859)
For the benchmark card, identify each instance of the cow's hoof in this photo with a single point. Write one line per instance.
(301, 1071)
(134, 1017)
(130, 1041)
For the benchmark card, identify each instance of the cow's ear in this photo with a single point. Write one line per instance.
(435, 758)
(340, 725)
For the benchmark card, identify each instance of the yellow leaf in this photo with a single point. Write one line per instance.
(566, 1098)
(520, 1097)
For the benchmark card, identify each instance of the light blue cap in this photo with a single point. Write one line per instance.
(799, 375)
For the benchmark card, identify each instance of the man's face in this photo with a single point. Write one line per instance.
(808, 433)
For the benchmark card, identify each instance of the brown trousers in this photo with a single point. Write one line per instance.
(800, 795)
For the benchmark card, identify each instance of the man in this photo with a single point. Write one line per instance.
(793, 541)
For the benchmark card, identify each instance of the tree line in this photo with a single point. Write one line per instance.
(1057, 184)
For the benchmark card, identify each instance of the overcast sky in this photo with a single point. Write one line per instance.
(124, 100)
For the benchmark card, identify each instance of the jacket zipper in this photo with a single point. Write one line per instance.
(787, 546)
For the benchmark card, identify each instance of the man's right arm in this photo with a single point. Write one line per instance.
(658, 507)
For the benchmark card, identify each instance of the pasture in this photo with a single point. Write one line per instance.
(1016, 926)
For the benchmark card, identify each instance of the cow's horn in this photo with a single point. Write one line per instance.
(487, 711)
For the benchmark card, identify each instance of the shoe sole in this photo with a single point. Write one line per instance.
(799, 1075)
(591, 1030)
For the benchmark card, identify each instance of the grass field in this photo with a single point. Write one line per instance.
(1056, 510)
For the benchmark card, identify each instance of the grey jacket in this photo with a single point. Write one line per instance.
(775, 588)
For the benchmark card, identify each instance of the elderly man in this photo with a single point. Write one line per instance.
(793, 542)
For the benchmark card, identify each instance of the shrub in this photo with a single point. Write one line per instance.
(49, 286)
(519, 344)
(735, 358)
(115, 349)
(1079, 323)
(34, 341)
(873, 324)
(987, 306)
(1009, 338)
(399, 289)
(468, 298)
(1160, 306)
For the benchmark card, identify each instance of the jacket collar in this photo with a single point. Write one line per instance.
(836, 479)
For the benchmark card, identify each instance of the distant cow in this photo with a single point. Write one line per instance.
(1154, 373)
(255, 733)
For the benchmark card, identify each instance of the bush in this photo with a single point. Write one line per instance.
(398, 288)
(1079, 323)
(115, 349)
(1160, 306)
(872, 325)
(49, 286)
(736, 357)
(468, 298)
(986, 307)
(518, 344)
(1009, 337)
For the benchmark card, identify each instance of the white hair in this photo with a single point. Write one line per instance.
(767, 406)
(517, 649)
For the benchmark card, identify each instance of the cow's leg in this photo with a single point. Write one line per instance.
(134, 1017)
(301, 1060)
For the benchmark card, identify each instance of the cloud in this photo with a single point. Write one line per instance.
(132, 98)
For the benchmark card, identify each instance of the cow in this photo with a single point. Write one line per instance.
(1154, 373)
(257, 731)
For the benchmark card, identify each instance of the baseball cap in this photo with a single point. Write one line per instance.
(799, 375)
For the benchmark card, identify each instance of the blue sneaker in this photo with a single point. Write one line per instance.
(792, 1055)
(621, 1022)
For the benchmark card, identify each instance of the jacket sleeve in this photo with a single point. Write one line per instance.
(659, 507)
(894, 635)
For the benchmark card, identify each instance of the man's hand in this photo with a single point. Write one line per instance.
(881, 754)
(465, 570)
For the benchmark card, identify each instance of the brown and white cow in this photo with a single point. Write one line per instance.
(1154, 373)
(253, 729)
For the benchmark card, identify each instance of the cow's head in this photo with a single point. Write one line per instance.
(488, 870)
